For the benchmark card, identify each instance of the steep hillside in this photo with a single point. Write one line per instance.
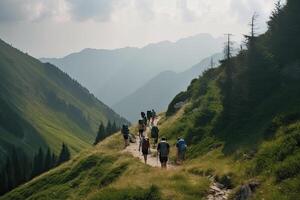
(249, 108)
(140, 64)
(159, 91)
(42, 107)
(241, 122)
(105, 172)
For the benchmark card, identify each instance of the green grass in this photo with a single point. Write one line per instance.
(49, 107)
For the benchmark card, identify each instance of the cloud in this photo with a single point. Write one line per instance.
(30, 10)
(98, 10)
(145, 9)
(14, 10)
(185, 13)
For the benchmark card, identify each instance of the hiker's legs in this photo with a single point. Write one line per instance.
(145, 158)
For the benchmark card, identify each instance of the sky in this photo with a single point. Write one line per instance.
(55, 28)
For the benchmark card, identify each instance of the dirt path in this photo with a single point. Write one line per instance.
(152, 159)
(216, 191)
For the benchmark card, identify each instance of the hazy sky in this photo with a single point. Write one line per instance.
(54, 28)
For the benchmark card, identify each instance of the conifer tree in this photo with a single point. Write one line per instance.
(53, 160)
(108, 128)
(38, 163)
(48, 161)
(114, 127)
(64, 154)
(100, 134)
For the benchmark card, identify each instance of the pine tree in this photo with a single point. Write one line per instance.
(38, 163)
(53, 160)
(108, 129)
(64, 154)
(100, 134)
(48, 161)
(114, 127)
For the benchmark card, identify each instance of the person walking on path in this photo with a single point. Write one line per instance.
(163, 150)
(125, 132)
(149, 116)
(181, 149)
(142, 128)
(144, 118)
(154, 135)
(153, 116)
(145, 148)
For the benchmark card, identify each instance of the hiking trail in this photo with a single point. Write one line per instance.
(216, 190)
(152, 159)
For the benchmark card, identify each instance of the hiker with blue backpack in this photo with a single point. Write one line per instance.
(181, 149)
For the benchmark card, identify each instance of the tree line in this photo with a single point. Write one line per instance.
(18, 168)
(104, 131)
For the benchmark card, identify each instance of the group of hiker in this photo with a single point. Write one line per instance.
(163, 147)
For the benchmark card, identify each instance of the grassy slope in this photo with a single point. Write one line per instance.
(46, 105)
(105, 173)
(260, 141)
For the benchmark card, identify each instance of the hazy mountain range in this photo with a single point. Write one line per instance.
(114, 74)
(160, 90)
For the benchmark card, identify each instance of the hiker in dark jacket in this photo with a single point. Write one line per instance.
(142, 128)
(153, 116)
(181, 149)
(149, 116)
(125, 132)
(145, 148)
(144, 118)
(163, 150)
(154, 135)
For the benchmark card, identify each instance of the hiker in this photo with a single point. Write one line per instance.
(153, 116)
(144, 118)
(125, 132)
(149, 116)
(145, 148)
(154, 135)
(181, 149)
(142, 128)
(163, 150)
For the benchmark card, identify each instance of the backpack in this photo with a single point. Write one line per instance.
(145, 144)
(181, 145)
(154, 132)
(163, 149)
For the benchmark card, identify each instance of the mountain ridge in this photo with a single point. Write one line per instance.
(141, 64)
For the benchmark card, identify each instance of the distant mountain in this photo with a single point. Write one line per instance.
(159, 91)
(114, 74)
(41, 106)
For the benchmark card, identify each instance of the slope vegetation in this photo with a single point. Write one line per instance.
(40, 106)
(241, 121)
